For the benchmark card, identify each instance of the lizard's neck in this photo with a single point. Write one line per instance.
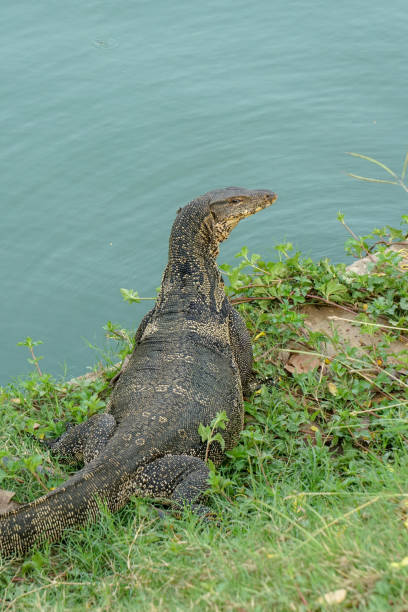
(192, 274)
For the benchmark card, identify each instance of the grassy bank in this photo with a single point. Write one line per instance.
(311, 506)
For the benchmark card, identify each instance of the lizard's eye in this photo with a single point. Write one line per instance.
(235, 201)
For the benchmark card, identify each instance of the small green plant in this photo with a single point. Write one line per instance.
(360, 246)
(132, 297)
(219, 484)
(116, 332)
(210, 434)
(396, 180)
(379, 239)
(30, 344)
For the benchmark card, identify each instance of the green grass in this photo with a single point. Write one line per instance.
(312, 500)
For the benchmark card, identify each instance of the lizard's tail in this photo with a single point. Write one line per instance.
(75, 502)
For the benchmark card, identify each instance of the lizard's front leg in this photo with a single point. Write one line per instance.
(85, 441)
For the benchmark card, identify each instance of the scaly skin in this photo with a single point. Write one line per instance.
(192, 359)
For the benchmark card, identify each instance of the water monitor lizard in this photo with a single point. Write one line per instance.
(192, 359)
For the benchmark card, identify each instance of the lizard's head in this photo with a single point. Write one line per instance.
(228, 206)
(208, 220)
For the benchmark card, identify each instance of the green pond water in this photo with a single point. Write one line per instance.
(115, 113)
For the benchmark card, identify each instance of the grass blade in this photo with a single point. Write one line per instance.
(371, 180)
(404, 167)
(374, 161)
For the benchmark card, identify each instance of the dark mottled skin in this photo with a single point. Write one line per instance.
(192, 359)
